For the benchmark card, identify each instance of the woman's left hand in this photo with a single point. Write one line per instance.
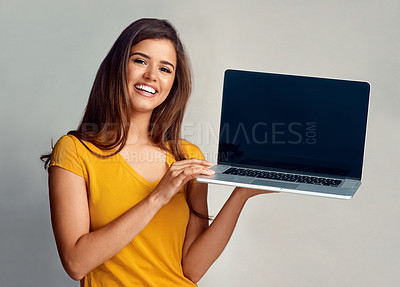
(250, 192)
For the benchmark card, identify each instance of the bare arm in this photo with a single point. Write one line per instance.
(81, 250)
(203, 244)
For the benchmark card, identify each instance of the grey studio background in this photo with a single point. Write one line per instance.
(50, 52)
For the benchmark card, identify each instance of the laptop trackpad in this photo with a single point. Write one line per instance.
(275, 183)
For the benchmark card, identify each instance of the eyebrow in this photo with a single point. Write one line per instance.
(147, 57)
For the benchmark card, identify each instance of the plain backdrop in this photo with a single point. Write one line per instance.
(51, 50)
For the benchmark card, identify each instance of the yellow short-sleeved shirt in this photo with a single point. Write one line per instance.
(154, 257)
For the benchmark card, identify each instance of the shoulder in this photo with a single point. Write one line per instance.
(66, 143)
(191, 150)
(70, 144)
(80, 147)
(66, 155)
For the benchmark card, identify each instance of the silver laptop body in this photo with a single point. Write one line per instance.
(290, 133)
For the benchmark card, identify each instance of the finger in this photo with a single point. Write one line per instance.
(183, 166)
(250, 192)
(180, 177)
(193, 161)
(207, 171)
(187, 165)
(200, 170)
(191, 173)
(260, 191)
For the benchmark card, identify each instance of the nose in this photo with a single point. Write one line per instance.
(150, 73)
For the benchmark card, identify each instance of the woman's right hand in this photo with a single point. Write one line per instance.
(178, 174)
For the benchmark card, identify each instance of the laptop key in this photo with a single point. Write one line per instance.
(283, 176)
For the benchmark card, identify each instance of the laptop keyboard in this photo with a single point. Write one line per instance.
(283, 176)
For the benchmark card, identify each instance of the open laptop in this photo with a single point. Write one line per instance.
(291, 134)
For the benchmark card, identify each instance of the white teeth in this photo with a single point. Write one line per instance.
(145, 88)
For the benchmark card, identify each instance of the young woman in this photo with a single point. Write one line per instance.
(125, 208)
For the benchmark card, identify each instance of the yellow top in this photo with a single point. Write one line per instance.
(154, 256)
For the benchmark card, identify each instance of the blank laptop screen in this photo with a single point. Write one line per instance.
(293, 122)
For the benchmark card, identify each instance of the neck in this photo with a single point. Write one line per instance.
(139, 129)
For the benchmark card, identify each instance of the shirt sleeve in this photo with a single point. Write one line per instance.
(65, 155)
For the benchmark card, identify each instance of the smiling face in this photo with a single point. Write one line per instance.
(151, 73)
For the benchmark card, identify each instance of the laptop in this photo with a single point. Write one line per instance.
(291, 133)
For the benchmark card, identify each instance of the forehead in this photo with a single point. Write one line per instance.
(157, 49)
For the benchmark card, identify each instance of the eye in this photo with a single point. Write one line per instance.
(165, 69)
(139, 61)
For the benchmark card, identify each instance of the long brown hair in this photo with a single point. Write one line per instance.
(106, 120)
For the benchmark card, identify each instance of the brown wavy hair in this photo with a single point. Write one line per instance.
(106, 120)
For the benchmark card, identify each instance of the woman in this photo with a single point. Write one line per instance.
(125, 209)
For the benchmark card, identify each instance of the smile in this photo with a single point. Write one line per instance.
(146, 88)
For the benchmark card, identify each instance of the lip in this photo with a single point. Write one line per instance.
(144, 93)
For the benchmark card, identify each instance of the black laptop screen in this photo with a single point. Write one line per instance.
(293, 122)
